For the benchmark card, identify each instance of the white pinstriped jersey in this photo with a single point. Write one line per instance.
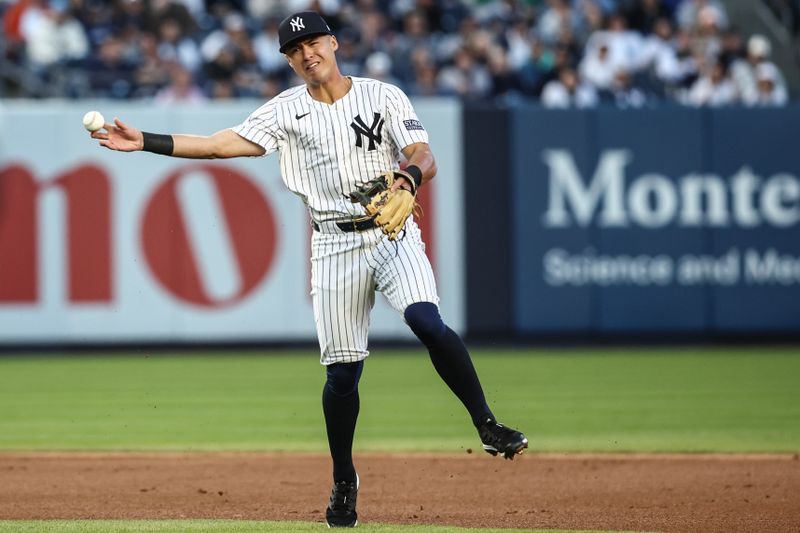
(326, 150)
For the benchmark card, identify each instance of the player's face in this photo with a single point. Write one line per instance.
(314, 59)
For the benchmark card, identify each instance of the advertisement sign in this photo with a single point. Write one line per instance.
(656, 220)
(102, 246)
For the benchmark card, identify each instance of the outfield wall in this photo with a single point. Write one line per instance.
(104, 247)
(649, 222)
(560, 224)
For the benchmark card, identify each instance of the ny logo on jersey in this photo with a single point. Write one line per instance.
(297, 24)
(373, 133)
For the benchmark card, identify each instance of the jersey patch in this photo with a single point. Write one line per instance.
(413, 125)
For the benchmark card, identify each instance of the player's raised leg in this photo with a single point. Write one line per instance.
(411, 289)
(454, 365)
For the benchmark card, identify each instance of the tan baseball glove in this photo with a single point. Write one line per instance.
(389, 208)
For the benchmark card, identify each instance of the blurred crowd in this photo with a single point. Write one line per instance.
(563, 53)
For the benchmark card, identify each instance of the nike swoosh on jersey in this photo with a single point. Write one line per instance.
(298, 117)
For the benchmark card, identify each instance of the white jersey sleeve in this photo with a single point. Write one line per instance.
(262, 128)
(403, 123)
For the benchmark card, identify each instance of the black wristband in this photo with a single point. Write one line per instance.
(415, 173)
(158, 143)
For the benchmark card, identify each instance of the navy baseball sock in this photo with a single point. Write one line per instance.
(450, 358)
(340, 403)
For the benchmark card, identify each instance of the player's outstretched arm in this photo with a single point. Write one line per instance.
(223, 144)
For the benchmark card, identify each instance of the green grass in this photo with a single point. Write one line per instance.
(217, 526)
(648, 400)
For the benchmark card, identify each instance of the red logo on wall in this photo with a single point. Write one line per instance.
(86, 191)
(248, 220)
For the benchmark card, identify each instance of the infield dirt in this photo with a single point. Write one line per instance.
(672, 493)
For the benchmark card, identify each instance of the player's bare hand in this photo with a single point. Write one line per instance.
(119, 136)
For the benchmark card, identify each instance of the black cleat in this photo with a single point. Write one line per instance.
(341, 511)
(499, 439)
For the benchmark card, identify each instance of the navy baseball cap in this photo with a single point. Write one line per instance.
(299, 26)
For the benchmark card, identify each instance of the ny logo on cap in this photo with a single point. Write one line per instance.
(297, 24)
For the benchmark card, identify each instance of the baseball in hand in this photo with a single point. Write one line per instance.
(93, 120)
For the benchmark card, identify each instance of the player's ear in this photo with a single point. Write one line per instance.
(334, 43)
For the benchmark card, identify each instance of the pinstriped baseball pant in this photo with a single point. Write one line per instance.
(346, 271)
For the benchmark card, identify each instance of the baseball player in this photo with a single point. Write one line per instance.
(334, 133)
